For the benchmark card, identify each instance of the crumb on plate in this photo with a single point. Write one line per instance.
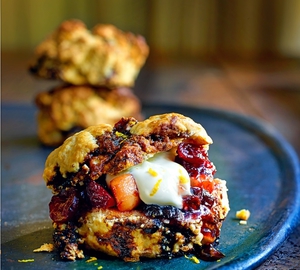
(243, 222)
(92, 259)
(243, 214)
(45, 248)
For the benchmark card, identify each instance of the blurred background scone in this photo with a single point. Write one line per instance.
(67, 109)
(97, 69)
(103, 56)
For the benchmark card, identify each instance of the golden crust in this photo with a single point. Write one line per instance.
(178, 123)
(122, 147)
(109, 225)
(72, 153)
(68, 108)
(103, 56)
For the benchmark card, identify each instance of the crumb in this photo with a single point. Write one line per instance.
(92, 259)
(243, 222)
(45, 247)
(243, 214)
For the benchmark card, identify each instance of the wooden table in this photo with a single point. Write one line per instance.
(267, 89)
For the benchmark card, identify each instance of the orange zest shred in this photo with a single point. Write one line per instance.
(193, 259)
(182, 178)
(152, 172)
(156, 187)
(26, 260)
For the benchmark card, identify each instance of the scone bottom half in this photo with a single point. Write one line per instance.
(137, 190)
(67, 109)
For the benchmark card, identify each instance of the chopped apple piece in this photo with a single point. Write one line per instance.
(125, 192)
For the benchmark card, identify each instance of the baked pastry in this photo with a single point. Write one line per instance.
(104, 56)
(137, 189)
(67, 109)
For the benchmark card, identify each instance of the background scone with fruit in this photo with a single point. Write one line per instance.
(105, 56)
(98, 69)
(68, 109)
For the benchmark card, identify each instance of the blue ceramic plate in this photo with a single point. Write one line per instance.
(260, 167)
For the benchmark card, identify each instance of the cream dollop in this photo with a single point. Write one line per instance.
(160, 180)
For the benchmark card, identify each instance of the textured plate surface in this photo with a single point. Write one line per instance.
(261, 169)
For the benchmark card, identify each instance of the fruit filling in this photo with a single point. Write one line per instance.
(192, 197)
(122, 191)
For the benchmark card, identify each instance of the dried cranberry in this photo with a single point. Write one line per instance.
(191, 202)
(197, 191)
(207, 199)
(195, 160)
(64, 206)
(192, 153)
(194, 170)
(99, 196)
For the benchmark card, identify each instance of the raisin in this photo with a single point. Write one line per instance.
(170, 212)
(209, 253)
(64, 206)
(157, 211)
(153, 210)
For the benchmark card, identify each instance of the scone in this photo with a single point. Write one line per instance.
(137, 190)
(104, 56)
(67, 109)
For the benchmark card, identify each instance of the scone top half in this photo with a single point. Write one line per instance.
(105, 149)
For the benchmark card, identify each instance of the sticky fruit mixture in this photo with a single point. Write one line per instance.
(71, 202)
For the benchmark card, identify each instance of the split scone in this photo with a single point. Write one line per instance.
(137, 189)
(68, 109)
(104, 56)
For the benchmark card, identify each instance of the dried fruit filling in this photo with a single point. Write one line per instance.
(71, 202)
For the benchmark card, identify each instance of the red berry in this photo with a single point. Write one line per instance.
(98, 196)
(195, 160)
(64, 206)
(191, 202)
(192, 153)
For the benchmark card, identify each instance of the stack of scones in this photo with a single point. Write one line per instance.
(97, 70)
